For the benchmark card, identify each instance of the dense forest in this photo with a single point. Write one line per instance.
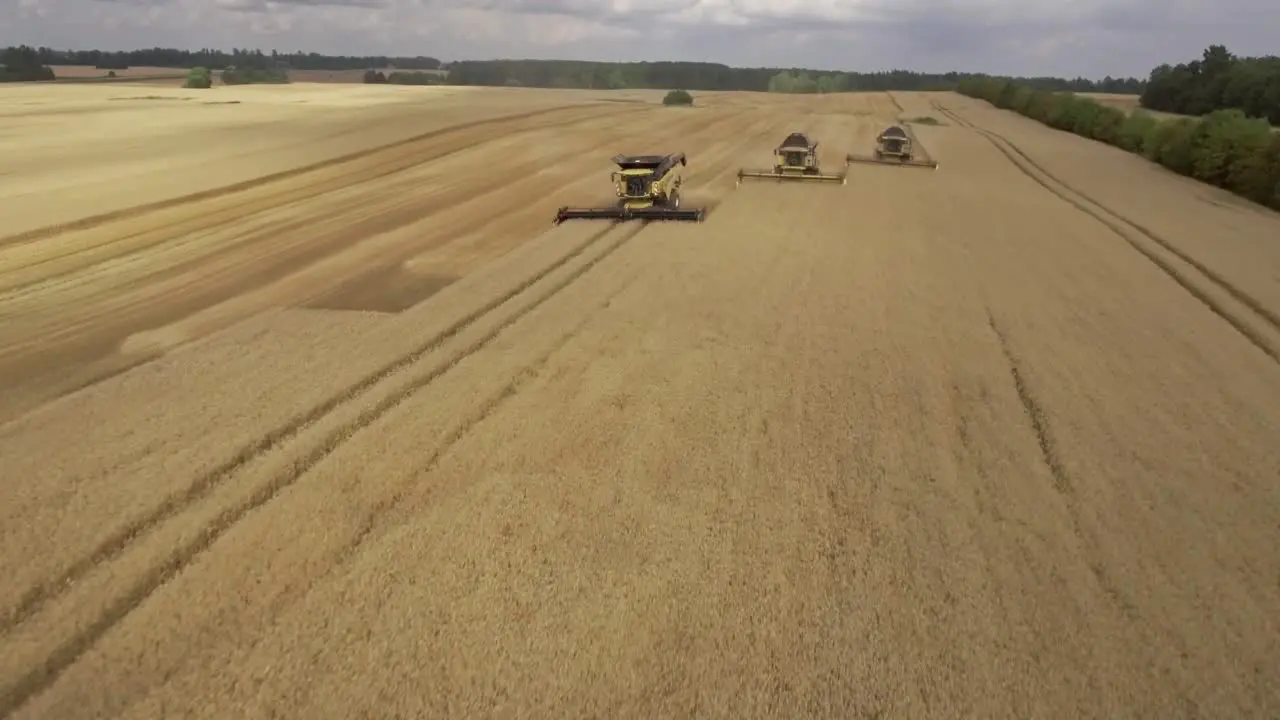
(1225, 148)
(1217, 81)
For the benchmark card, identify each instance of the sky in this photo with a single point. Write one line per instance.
(1065, 38)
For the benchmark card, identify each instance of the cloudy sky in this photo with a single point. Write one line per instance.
(1027, 37)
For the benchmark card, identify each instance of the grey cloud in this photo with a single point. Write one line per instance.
(372, 4)
(1035, 37)
(266, 6)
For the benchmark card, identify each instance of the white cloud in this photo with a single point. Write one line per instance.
(1075, 37)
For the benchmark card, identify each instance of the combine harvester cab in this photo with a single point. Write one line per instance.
(648, 188)
(795, 159)
(894, 147)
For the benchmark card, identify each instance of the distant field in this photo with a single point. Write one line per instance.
(1127, 103)
(84, 72)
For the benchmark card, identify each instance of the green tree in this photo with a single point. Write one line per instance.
(678, 97)
(23, 64)
(1170, 144)
(1134, 130)
(1257, 176)
(199, 78)
(1224, 138)
(805, 84)
(781, 82)
(1107, 124)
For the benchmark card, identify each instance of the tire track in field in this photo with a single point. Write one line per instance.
(483, 411)
(330, 233)
(1038, 419)
(68, 652)
(42, 594)
(461, 130)
(1244, 318)
(273, 260)
(81, 325)
(399, 157)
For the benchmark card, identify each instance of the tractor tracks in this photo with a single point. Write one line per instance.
(445, 141)
(63, 618)
(253, 257)
(1038, 420)
(482, 411)
(234, 206)
(1257, 324)
(303, 443)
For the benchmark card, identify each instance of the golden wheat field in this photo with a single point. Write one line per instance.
(309, 411)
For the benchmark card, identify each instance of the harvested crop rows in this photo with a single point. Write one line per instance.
(344, 428)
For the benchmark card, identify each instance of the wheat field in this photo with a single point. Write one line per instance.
(309, 411)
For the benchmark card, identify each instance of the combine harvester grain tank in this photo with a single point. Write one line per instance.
(894, 146)
(648, 188)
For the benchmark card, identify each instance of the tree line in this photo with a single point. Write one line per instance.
(218, 59)
(714, 76)
(1217, 81)
(34, 62)
(1225, 148)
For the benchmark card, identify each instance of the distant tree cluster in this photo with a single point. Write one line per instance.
(1224, 148)
(23, 64)
(1217, 81)
(377, 77)
(234, 75)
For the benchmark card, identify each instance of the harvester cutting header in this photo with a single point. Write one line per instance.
(648, 188)
(796, 158)
(894, 147)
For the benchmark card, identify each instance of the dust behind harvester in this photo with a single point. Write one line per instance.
(796, 158)
(648, 188)
(894, 147)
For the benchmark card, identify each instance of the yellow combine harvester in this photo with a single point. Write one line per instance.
(894, 147)
(648, 188)
(795, 159)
